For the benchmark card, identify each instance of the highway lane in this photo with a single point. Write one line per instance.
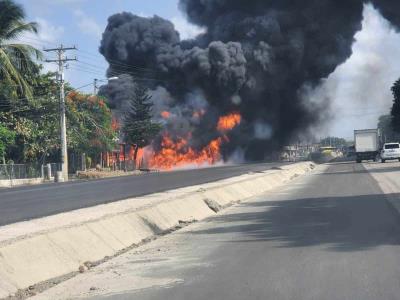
(330, 235)
(29, 202)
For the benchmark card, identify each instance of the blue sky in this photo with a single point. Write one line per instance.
(81, 23)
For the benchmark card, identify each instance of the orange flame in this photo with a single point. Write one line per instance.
(165, 114)
(178, 153)
(139, 158)
(228, 122)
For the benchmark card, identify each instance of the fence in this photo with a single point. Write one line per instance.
(128, 165)
(48, 173)
(27, 171)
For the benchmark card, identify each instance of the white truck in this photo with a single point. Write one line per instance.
(367, 144)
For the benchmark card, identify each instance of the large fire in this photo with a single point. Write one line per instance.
(177, 153)
(228, 122)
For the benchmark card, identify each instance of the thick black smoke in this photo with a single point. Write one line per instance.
(254, 57)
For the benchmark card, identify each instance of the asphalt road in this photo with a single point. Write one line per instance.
(30, 202)
(330, 236)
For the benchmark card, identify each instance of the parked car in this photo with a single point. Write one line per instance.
(390, 151)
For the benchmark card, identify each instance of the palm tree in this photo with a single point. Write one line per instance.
(17, 61)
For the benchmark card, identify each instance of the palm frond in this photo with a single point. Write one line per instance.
(23, 53)
(11, 73)
(10, 12)
(20, 28)
(18, 62)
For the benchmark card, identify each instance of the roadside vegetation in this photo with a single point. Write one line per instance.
(29, 105)
(17, 61)
(389, 125)
(139, 129)
(29, 102)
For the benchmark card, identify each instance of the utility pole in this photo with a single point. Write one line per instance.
(95, 87)
(61, 60)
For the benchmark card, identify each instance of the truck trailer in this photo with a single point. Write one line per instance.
(367, 144)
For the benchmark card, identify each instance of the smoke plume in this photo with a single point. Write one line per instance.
(254, 57)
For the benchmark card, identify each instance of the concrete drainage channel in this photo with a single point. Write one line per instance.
(41, 253)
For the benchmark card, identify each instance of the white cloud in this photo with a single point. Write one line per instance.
(185, 29)
(360, 88)
(87, 24)
(48, 34)
(143, 15)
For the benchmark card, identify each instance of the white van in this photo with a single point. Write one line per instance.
(390, 151)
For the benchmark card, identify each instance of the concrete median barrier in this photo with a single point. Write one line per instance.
(39, 250)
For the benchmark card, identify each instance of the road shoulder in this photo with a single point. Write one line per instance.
(387, 175)
(164, 262)
(53, 251)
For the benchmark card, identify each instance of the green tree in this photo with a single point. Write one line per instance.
(35, 123)
(6, 138)
(17, 60)
(138, 128)
(395, 113)
(385, 126)
(89, 124)
(37, 127)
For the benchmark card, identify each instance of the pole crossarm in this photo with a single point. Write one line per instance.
(60, 48)
(62, 60)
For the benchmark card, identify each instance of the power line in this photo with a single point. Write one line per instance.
(135, 76)
(33, 43)
(83, 86)
(119, 63)
(37, 39)
(36, 97)
(92, 66)
(77, 68)
(133, 73)
(133, 70)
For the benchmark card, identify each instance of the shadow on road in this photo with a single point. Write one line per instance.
(340, 224)
(364, 171)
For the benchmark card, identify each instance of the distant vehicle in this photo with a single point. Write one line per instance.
(351, 151)
(366, 144)
(327, 149)
(390, 151)
(330, 151)
(325, 154)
